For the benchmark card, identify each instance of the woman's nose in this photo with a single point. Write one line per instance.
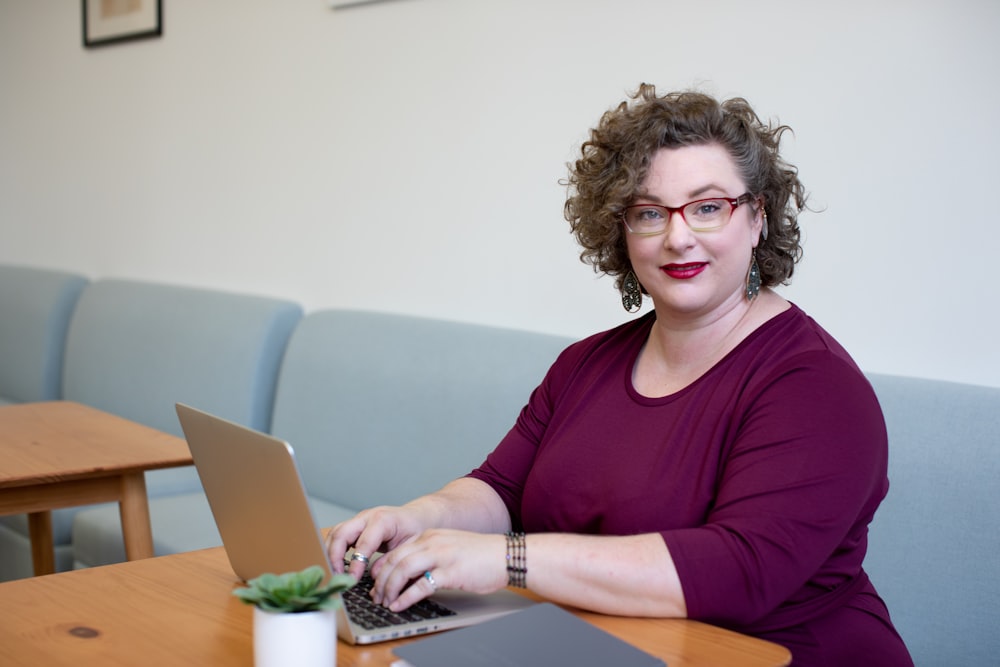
(678, 234)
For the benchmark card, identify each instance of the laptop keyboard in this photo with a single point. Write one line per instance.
(362, 610)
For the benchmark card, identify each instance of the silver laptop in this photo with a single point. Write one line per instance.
(260, 507)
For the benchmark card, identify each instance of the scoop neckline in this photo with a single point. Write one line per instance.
(642, 399)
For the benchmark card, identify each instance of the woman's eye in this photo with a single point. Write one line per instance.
(649, 215)
(707, 209)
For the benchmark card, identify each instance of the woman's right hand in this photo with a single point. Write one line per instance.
(464, 504)
(378, 529)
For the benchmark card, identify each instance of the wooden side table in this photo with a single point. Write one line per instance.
(62, 454)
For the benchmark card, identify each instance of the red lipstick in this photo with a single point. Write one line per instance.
(684, 271)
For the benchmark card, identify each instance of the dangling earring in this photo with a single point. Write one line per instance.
(753, 278)
(763, 230)
(631, 293)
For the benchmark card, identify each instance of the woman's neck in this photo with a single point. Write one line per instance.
(679, 351)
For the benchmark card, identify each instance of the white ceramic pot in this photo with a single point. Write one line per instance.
(307, 639)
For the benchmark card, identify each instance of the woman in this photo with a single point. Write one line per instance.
(719, 458)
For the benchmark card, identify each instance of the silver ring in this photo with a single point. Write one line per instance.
(430, 579)
(358, 556)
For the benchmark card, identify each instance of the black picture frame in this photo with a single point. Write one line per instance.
(116, 21)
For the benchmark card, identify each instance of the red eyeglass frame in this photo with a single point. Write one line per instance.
(733, 202)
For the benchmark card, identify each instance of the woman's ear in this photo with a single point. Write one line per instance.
(761, 218)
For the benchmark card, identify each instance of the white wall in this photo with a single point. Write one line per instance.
(406, 156)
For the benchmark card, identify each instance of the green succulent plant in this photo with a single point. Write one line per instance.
(295, 592)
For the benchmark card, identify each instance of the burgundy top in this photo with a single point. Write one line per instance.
(761, 476)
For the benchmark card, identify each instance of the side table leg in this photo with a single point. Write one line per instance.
(42, 551)
(134, 509)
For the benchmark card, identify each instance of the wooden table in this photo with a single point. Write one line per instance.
(179, 610)
(63, 454)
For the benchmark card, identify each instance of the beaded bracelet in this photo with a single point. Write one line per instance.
(517, 568)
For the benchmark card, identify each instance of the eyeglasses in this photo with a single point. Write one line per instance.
(702, 215)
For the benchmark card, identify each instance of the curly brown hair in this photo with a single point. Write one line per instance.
(617, 155)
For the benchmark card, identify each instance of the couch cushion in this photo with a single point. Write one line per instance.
(381, 408)
(934, 546)
(15, 555)
(178, 525)
(135, 349)
(35, 310)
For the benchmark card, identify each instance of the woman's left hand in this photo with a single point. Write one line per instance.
(455, 559)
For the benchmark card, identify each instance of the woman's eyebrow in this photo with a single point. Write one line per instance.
(692, 195)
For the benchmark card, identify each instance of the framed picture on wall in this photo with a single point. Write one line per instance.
(114, 21)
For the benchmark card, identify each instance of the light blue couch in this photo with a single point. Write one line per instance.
(133, 349)
(383, 407)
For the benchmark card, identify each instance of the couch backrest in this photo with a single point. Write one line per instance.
(135, 349)
(382, 408)
(934, 546)
(35, 309)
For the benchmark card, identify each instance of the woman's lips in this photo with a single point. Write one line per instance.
(684, 271)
